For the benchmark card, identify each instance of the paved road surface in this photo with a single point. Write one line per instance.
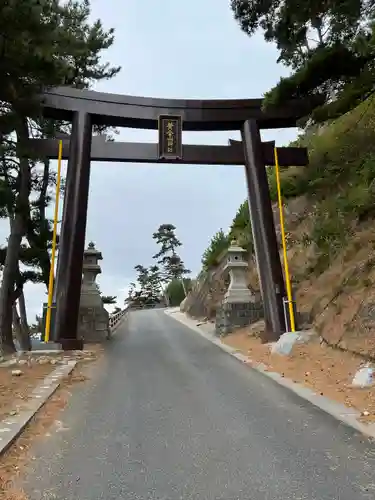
(173, 417)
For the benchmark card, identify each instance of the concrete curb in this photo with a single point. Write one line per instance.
(340, 412)
(12, 426)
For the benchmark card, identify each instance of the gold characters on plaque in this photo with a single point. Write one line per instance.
(170, 136)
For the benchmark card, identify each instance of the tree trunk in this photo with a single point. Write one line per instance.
(8, 284)
(21, 333)
(166, 297)
(34, 239)
(183, 286)
(16, 324)
(26, 341)
(18, 229)
(318, 25)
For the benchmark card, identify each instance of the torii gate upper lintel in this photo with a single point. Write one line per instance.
(84, 108)
(142, 112)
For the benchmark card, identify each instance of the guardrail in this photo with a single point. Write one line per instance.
(117, 318)
(146, 307)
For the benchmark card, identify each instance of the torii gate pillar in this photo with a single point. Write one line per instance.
(73, 231)
(266, 247)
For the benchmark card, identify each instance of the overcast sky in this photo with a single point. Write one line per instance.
(192, 49)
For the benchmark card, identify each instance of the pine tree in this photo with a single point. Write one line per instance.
(44, 43)
(172, 265)
(329, 46)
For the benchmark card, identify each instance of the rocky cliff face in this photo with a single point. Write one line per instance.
(340, 300)
(330, 225)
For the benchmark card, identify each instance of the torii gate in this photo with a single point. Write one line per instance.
(86, 108)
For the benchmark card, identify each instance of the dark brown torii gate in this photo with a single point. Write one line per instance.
(87, 108)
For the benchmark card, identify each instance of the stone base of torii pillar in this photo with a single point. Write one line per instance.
(93, 321)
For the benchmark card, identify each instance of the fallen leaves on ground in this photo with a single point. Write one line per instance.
(326, 370)
(14, 460)
(15, 390)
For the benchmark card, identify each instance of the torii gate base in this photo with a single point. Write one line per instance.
(87, 108)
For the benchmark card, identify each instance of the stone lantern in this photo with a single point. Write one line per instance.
(240, 307)
(237, 267)
(93, 317)
(91, 269)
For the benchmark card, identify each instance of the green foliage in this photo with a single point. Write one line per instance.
(43, 43)
(240, 229)
(337, 65)
(46, 43)
(149, 287)
(339, 182)
(175, 291)
(294, 25)
(293, 183)
(172, 265)
(330, 233)
(219, 242)
(340, 155)
(106, 299)
(329, 47)
(166, 237)
(109, 299)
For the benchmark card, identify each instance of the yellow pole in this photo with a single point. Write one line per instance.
(286, 267)
(53, 253)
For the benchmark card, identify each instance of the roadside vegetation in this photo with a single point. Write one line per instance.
(329, 205)
(330, 223)
(43, 43)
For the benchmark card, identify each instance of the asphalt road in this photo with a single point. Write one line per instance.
(169, 416)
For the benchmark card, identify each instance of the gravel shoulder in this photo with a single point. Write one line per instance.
(327, 371)
(24, 419)
(17, 383)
